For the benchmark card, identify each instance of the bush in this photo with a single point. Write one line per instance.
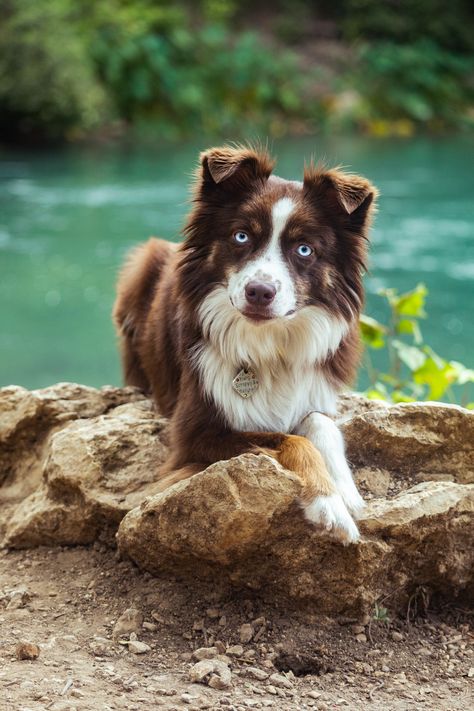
(206, 79)
(47, 79)
(411, 370)
(422, 83)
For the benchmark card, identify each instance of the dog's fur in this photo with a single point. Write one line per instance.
(187, 323)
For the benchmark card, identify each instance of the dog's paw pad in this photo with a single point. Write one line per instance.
(331, 513)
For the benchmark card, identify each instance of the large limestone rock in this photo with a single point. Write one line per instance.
(78, 464)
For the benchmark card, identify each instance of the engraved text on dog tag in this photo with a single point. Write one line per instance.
(245, 382)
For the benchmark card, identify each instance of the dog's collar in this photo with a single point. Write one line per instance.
(245, 382)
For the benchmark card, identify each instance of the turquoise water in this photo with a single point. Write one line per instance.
(67, 219)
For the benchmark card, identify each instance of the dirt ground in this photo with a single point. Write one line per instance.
(67, 602)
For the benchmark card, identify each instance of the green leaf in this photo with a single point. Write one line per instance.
(406, 325)
(400, 396)
(463, 375)
(412, 356)
(437, 374)
(377, 392)
(412, 302)
(372, 332)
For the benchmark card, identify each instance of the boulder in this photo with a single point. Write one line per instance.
(95, 470)
(79, 464)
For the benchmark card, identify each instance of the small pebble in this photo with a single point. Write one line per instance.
(129, 621)
(246, 633)
(235, 651)
(137, 647)
(204, 653)
(27, 651)
(256, 673)
(281, 681)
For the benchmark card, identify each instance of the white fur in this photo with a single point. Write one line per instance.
(331, 513)
(308, 338)
(268, 267)
(326, 437)
(283, 354)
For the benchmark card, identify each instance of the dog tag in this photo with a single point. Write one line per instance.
(245, 383)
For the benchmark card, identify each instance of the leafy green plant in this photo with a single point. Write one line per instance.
(47, 77)
(411, 369)
(421, 82)
(380, 614)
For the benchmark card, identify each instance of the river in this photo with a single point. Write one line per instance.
(68, 217)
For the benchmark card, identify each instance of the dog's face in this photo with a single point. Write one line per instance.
(274, 246)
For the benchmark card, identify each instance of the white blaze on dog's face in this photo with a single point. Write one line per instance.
(273, 294)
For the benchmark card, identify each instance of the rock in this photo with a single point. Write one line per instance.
(414, 437)
(246, 633)
(17, 599)
(376, 481)
(137, 647)
(28, 418)
(235, 651)
(101, 647)
(396, 636)
(129, 621)
(248, 491)
(212, 672)
(27, 651)
(204, 653)
(95, 471)
(256, 673)
(281, 681)
(78, 464)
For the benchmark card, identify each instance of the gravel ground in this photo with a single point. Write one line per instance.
(80, 629)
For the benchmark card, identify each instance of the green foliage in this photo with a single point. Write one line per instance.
(406, 21)
(207, 78)
(47, 77)
(420, 82)
(67, 66)
(380, 614)
(413, 371)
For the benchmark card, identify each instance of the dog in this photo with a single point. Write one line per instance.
(245, 333)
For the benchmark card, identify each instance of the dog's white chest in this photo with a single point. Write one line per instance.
(280, 399)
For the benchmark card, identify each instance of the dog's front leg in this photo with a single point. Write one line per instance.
(327, 438)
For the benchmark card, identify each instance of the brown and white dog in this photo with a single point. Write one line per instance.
(246, 332)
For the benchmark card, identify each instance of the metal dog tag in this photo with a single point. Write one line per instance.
(245, 383)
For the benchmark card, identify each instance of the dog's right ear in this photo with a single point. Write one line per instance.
(230, 168)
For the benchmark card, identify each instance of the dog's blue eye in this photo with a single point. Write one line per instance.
(304, 250)
(241, 237)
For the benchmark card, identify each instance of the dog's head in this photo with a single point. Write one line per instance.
(275, 247)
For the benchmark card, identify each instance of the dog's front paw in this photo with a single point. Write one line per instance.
(352, 499)
(331, 513)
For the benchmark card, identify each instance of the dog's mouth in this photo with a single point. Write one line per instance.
(265, 316)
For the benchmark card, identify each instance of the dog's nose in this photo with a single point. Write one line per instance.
(260, 293)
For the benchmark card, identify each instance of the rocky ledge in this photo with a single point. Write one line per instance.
(79, 465)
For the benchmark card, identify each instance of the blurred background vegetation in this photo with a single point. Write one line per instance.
(72, 69)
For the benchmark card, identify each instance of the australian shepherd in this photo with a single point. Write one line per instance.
(245, 333)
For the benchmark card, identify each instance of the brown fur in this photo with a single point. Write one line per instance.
(161, 287)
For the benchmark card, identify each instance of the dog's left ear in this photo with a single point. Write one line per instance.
(231, 167)
(342, 195)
